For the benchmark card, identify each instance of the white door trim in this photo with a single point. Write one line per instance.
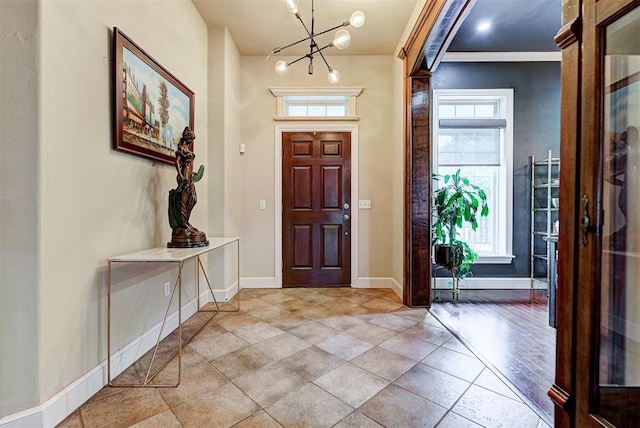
(320, 127)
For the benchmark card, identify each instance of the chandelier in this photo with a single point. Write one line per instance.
(341, 40)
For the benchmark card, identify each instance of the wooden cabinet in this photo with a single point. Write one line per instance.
(598, 343)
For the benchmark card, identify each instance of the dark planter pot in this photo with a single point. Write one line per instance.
(448, 256)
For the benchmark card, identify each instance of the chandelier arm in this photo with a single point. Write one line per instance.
(299, 59)
(330, 45)
(311, 35)
(325, 61)
(309, 55)
(278, 50)
(344, 24)
(323, 58)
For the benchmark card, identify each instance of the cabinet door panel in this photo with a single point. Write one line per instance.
(617, 397)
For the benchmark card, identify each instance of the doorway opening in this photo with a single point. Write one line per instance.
(501, 312)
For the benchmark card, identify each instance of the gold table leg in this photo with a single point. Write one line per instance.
(148, 376)
(177, 286)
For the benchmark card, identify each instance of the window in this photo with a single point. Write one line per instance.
(473, 132)
(316, 103)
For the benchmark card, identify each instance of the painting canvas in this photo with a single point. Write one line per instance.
(152, 107)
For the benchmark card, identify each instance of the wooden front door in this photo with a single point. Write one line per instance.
(316, 209)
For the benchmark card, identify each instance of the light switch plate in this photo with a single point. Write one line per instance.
(364, 204)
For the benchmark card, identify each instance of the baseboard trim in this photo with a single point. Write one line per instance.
(26, 418)
(65, 402)
(223, 295)
(372, 283)
(445, 283)
(355, 283)
(397, 288)
(259, 283)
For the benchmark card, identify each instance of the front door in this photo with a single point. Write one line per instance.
(316, 209)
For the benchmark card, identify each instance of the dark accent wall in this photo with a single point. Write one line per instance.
(536, 88)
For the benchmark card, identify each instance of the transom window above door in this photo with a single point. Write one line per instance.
(316, 103)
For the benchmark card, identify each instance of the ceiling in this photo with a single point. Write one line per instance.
(258, 26)
(516, 26)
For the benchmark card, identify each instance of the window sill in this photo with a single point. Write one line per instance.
(495, 260)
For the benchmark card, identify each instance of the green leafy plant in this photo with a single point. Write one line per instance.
(456, 201)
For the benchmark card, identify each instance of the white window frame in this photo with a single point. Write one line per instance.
(504, 196)
(350, 105)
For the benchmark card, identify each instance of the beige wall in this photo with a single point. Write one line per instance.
(19, 208)
(374, 74)
(95, 202)
(399, 149)
(397, 163)
(225, 173)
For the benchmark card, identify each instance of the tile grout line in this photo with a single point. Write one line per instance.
(300, 297)
(528, 402)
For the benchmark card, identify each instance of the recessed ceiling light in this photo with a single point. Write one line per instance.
(484, 26)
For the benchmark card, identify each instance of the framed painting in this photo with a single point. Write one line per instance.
(152, 107)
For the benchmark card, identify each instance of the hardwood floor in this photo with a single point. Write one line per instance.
(507, 329)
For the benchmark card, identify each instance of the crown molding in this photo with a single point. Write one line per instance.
(335, 90)
(502, 56)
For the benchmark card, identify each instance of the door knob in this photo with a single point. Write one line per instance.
(346, 217)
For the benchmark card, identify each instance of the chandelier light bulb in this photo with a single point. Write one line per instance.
(292, 5)
(342, 39)
(282, 67)
(357, 18)
(334, 77)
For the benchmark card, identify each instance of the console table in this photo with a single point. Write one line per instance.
(178, 256)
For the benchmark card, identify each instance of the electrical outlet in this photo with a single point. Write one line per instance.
(167, 289)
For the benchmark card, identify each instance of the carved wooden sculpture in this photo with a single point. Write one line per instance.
(183, 198)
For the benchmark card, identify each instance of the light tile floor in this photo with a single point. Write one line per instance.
(317, 357)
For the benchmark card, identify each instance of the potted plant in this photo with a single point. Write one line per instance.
(456, 202)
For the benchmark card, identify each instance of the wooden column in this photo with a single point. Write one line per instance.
(442, 17)
(417, 289)
(568, 39)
